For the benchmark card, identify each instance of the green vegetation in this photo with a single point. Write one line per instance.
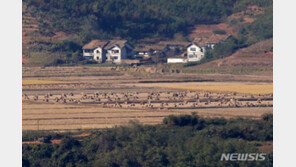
(223, 49)
(260, 29)
(130, 19)
(186, 140)
(241, 4)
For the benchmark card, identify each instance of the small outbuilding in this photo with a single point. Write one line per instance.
(176, 60)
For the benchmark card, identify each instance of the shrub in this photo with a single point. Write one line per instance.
(183, 120)
(219, 31)
(189, 64)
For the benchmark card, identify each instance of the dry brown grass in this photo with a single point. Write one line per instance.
(245, 88)
(42, 82)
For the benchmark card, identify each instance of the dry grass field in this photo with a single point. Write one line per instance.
(40, 82)
(224, 87)
(71, 117)
(62, 98)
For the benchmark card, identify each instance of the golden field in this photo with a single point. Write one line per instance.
(57, 116)
(42, 82)
(245, 88)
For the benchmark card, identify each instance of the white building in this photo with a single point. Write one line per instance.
(118, 50)
(95, 50)
(194, 52)
(111, 51)
(176, 60)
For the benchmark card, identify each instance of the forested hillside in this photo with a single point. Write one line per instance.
(81, 21)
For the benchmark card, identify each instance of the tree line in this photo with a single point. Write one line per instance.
(186, 140)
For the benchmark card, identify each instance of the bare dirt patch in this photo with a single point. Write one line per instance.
(203, 34)
(266, 147)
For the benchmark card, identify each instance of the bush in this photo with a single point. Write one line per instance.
(267, 117)
(182, 120)
(189, 64)
(68, 143)
(220, 32)
(57, 61)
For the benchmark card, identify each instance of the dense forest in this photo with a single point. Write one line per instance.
(185, 140)
(133, 19)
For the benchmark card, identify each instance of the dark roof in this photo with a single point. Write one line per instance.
(95, 43)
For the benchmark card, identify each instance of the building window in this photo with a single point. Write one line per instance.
(87, 50)
(192, 56)
(98, 51)
(115, 57)
(193, 49)
(115, 51)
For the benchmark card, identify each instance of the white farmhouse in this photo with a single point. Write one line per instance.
(194, 52)
(118, 50)
(95, 50)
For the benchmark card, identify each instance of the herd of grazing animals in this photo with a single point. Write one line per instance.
(157, 100)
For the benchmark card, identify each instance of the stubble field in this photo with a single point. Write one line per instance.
(67, 100)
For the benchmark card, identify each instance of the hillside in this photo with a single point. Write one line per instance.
(54, 31)
(255, 59)
(231, 26)
(258, 54)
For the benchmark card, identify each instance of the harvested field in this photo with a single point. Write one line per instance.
(70, 117)
(226, 87)
(67, 100)
(41, 82)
